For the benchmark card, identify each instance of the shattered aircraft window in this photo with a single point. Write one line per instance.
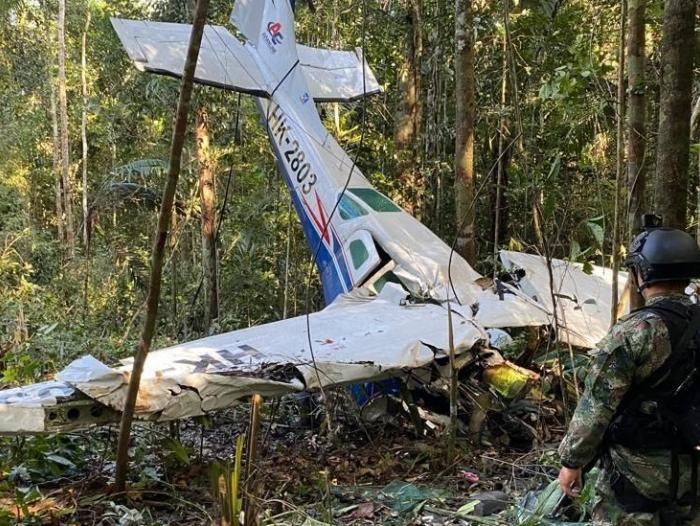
(375, 200)
(350, 209)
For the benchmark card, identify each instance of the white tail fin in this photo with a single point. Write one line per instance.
(268, 26)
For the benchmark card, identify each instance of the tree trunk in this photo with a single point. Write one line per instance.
(55, 141)
(620, 158)
(636, 128)
(636, 170)
(83, 129)
(65, 150)
(464, 129)
(500, 181)
(56, 158)
(409, 119)
(164, 217)
(207, 194)
(673, 149)
(694, 118)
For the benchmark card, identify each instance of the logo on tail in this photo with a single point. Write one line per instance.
(274, 36)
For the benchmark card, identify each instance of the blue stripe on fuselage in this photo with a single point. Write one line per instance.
(335, 277)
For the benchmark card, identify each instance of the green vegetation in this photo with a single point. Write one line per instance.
(546, 84)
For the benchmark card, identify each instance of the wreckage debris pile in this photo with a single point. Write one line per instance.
(374, 470)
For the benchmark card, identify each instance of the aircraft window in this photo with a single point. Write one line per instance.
(359, 253)
(375, 200)
(350, 209)
(389, 277)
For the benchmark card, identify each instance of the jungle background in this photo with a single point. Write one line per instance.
(83, 154)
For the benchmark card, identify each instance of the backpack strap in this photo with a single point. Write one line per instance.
(678, 351)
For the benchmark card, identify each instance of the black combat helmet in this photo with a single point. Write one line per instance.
(664, 254)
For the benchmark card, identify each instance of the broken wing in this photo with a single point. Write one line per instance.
(353, 341)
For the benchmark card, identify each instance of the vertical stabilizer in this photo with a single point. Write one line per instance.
(268, 26)
(247, 16)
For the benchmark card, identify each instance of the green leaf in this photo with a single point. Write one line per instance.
(468, 508)
(574, 251)
(555, 167)
(178, 451)
(47, 329)
(597, 232)
(62, 461)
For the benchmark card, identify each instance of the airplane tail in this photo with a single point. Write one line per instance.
(268, 26)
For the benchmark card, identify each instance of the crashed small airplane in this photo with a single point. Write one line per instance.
(384, 274)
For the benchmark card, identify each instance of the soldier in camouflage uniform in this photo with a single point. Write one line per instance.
(636, 346)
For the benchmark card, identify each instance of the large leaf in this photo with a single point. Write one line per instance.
(596, 230)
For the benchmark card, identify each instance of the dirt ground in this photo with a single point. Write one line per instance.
(378, 473)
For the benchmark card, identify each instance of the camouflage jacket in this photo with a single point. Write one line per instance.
(634, 348)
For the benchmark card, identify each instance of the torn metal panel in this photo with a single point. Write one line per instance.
(22, 410)
(49, 406)
(584, 301)
(509, 308)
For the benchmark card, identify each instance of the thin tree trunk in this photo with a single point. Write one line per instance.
(409, 120)
(56, 158)
(620, 160)
(207, 194)
(250, 504)
(673, 148)
(183, 108)
(173, 273)
(502, 131)
(83, 127)
(694, 118)
(56, 143)
(636, 123)
(454, 386)
(464, 129)
(65, 149)
(636, 170)
(285, 301)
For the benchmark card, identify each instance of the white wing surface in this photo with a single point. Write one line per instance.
(161, 47)
(584, 301)
(354, 340)
(337, 76)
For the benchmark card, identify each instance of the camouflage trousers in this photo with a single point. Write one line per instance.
(607, 511)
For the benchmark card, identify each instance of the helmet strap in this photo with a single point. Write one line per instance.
(639, 288)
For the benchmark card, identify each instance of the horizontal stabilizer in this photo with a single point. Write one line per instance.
(337, 76)
(161, 47)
